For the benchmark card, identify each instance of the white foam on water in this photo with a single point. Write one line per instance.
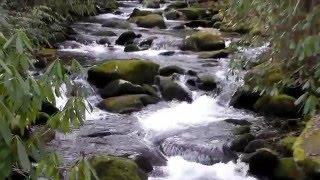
(180, 169)
(110, 16)
(179, 115)
(95, 49)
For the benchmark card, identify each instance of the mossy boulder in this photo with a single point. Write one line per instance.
(151, 21)
(116, 23)
(306, 151)
(116, 168)
(169, 70)
(104, 41)
(127, 37)
(278, 105)
(263, 162)
(255, 145)
(214, 54)
(206, 82)
(174, 15)
(192, 13)
(154, 4)
(171, 90)
(133, 70)
(127, 103)
(243, 98)
(288, 169)
(177, 5)
(131, 48)
(203, 41)
(199, 23)
(137, 12)
(240, 142)
(241, 130)
(120, 87)
(285, 145)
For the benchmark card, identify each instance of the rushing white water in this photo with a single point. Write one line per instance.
(178, 115)
(180, 169)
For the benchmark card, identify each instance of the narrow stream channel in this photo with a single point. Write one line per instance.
(184, 141)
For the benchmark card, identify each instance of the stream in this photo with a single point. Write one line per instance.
(184, 141)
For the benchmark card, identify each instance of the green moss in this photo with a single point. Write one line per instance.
(279, 105)
(127, 103)
(133, 70)
(192, 13)
(204, 41)
(286, 144)
(151, 21)
(288, 169)
(115, 168)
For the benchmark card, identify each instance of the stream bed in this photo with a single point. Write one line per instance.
(183, 141)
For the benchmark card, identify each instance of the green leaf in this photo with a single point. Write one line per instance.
(23, 156)
(5, 131)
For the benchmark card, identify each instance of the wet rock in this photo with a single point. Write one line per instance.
(120, 87)
(171, 90)
(49, 108)
(167, 53)
(131, 48)
(169, 70)
(267, 134)
(151, 21)
(110, 167)
(241, 130)
(199, 23)
(240, 142)
(192, 13)
(154, 4)
(214, 54)
(127, 103)
(278, 105)
(118, 12)
(263, 162)
(137, 12)
(127, 37)
(104, 41)
(241, 122)
(173, 15)
(179, 27)
(177, 5)
(244, 99)
(192, 82)
(116, 23)
(143, 163)
(150, 90)
(203, 41)
(255, 145)
(133, 70)
(104, 33)
(42, 118)
(146, 44)
(192, 73)
(206, 83)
